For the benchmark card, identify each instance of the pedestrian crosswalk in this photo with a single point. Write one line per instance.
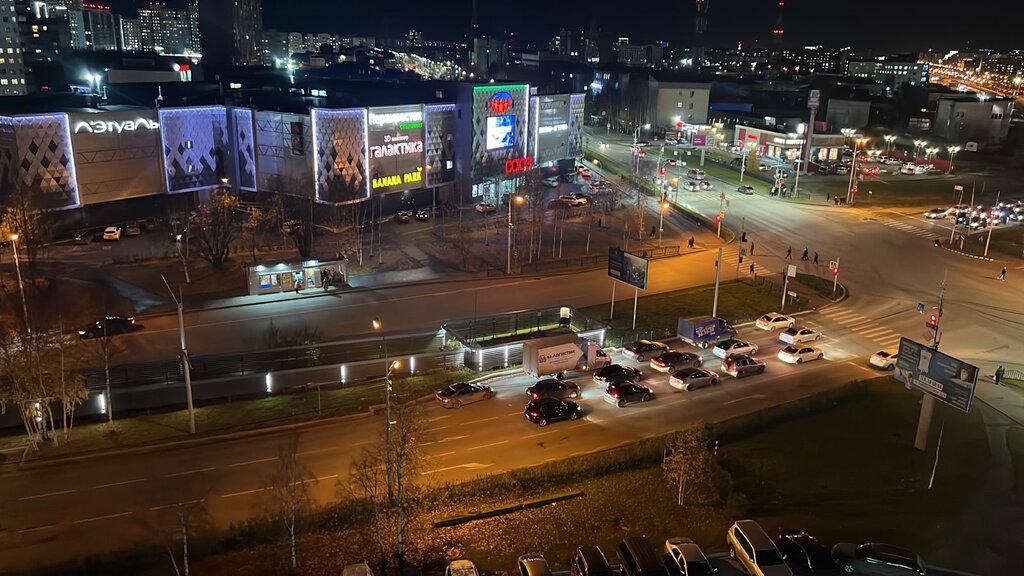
(863, 326)
(912, 229)
(730, 258)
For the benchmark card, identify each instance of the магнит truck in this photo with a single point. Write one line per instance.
(704, 331)
(559, 354)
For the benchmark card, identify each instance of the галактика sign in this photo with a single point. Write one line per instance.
(395, 149)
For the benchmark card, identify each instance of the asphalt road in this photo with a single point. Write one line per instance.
(65, 510)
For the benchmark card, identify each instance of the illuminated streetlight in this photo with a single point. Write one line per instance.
(853, 166)
(21, 285)
(518, 200)
(889, 139)
(952, 153)
(389, 366)
(661, 218)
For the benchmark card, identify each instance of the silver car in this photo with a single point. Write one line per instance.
(690, 379)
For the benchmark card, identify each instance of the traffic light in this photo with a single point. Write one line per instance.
(933, 321)
(718, 217)
(661, 170)
(835, 271)
(741, 259)
(744, 237)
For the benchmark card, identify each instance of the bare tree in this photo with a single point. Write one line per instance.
(289, 499)
(215, 227)
(177, 523)
(368, 481)
(690, 465)
(258, 222)
(407, 457)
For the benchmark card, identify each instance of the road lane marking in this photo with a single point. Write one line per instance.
(48, 494)
(186, 473)
(435, 419)
(563, 429)
(489, 445)
(449, 439)
(154, 508)
(470, 466)
(252, 462)
(107, 517)
(112, 484)
(244, 492)
(751, 397)
(36, 529)
(442, 455)
(481, 420)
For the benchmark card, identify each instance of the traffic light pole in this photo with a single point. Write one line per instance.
(835, 278)
(924, 419)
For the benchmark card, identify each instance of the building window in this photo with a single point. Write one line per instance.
(997, 116)
(679, 104)
(691, 93)
(188, 144)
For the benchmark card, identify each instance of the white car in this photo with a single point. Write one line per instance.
(800, 354)
(696, 174)
(112, 233)
(733, 347)
(774, 321)
(573, 199)
(706, 185)
(485, 208)
(691, 186)
(910, 169)
(953, 210)
(935, 213)
(884, 360)
(796, 335)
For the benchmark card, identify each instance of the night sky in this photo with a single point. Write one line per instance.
(880, 24)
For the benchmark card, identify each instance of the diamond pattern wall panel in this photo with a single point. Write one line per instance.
(8, 155)
(531, 141)
(339, 155)
(440, 119)
(285, 150)
(246, 149)
(45, 160)
(491, 163)
(576, 105)
(195, 146)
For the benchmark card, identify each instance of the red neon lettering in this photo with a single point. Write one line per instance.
(514, 165)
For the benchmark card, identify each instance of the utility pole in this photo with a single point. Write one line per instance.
(989, 239)
(739, 247)
(924, 419)
(721, 211)
(718, 277)
(186, 365)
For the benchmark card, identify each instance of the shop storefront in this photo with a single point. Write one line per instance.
(300, 276)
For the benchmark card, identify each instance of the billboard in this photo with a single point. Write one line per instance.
(340, 155)
(699, 140)
(498, 129)
(628, 268)
(932, 372)
(501, 132)
(117, 155)
(395, 148)
(551, 119)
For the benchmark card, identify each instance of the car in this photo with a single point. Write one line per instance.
(764, 167)
(842, 170)
(692, 378)
(421, 215)
(935, 213)
(461, 568)
(671, 141)
(794, 335)
(685, 558)
(979, 222)
(553, 388)
(622, 393)
(533, 565)
(673, 360)
(804, 554)
(691, 186)
(573, 199)
(733, 347)
(742, 366)
(745, 189)
(551, 182)
(909, 169)
(637, 557)
(754, 550)
(884, 360)
(109, 326)
(132, 228)
(585, 172)
(781, 174)
(956, 208)
(800, 353)
(112, 233)
(613, 373)
(644, 349)
(877, 559)
(696, 174)
(706, 185)
(736, 162)
(402, 217)
(869, 170)
(774, 321)
(590, 561)
(642, 143)
(82, 238)
(543, 411)
(485, 208)
(456, 395)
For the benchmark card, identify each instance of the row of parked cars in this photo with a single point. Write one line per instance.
(790, 552)
(979, 216)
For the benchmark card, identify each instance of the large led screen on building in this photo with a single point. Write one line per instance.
(501, 132)
(396, 148)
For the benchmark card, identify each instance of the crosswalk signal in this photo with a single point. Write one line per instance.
(933, 321)
(744, 237)
(661, 170)
(835, 271)
(718, 217)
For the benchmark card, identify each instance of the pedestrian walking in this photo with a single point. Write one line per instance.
(599, 223)
(654, 231)
(804, 256)
(1002, 275)
(689, 243)
(999, 374)
(751, 247)
(789, 253)
(828, 198)
(298, 286)
(815, 258)
(751, 268)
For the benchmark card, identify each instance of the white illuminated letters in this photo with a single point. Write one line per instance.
(101, 127)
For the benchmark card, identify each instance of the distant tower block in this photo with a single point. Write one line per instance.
(778, 32)
(700, 28)
(474, 25)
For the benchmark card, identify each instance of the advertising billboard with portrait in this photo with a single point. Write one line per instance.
(501, 132)
(628, 268)
(940, 375)
(396, 148)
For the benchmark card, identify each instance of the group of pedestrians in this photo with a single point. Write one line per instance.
(804, 257)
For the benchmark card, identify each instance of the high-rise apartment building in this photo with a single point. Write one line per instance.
(94, 28)
(169, 30)
(12, 63)
(232, 32)
(131, 34)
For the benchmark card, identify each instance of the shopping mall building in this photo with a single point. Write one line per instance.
(471, 150)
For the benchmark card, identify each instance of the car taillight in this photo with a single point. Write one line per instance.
(534, 414)
(534, 394)
(615, 393)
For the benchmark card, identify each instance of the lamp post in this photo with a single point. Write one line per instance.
(952, 153)
(918, 145)
(853, 166)
(518, 200)
(21, 285)
(389, 366)
(186, 365)
(661, 218)
(889, 139)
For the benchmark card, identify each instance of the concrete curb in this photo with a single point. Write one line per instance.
(955, 251)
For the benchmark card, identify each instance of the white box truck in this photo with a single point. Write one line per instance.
(559, 354)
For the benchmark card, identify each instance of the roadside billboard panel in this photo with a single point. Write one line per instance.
(628, 268)
(932, 372)
(395, 148)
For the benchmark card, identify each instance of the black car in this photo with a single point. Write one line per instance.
(422, 215)
(552, 388)
(623, 393)
(877, 559)
(804, 554)
(109, 326)
(673, 360)
(403, 217)
(613, 373)
(644, 349)
(543, 411)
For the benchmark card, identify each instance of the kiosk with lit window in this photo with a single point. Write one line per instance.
(304, 275)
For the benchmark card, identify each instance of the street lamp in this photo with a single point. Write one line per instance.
(21, 285)
(661, 218)
(518, 200)
(853, 166)
(889, 139)
(918, 145)
(952, 153)
(389, 366)
(186, 365)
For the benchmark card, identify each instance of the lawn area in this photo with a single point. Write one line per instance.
(819, 285)
(1007, 242)
(658, 314)
(244, 414)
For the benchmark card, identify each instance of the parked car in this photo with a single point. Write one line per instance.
(82, 238)
(842, 170)
(553, 388)
(696, 174)
(800, 353)
(733, 347)
(574, 199)
(804, 554)
(112, 233)
(533, 565)
(884, 360)
(742, 366)
(585, 172)
(485, 208)
(421, 215)
(551, 182)
(543, 411)
(751, 547)
(590, 561)
(690, 379)
(613, 373)
(877, 560)
(461, 568)
(622, 393)
(109, 326)
(936, 213)
(745, 189)
(637, 557)
(794, 335)
(774, 321)
(456, 395)
(673, 360)
(132, 228)
(402, 217)
(644, 349)
(683, 557)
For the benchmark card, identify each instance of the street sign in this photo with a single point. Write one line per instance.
(920, 308)
(958, 188)
(743, 251)
(814, 99)
(936, 374)
(791, 271)
(628, 268)
(833, 264)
